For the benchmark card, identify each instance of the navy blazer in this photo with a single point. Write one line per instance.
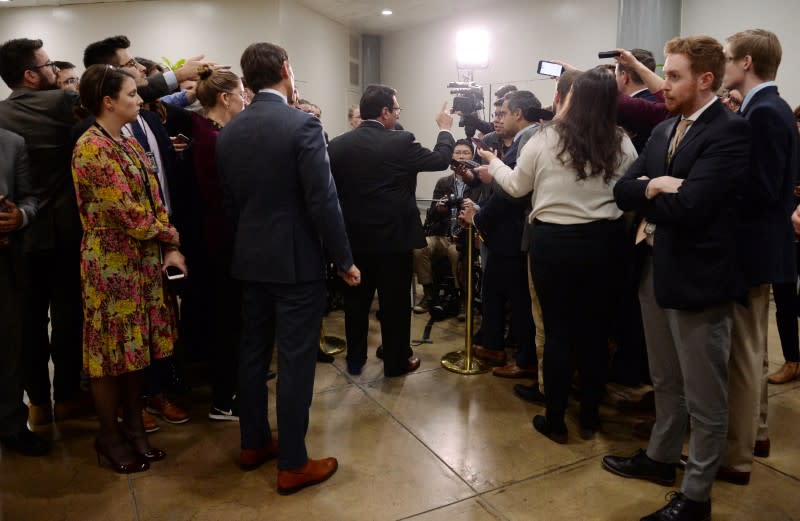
(766, 236)
(376, 175)
(695, 251)
(278, 189)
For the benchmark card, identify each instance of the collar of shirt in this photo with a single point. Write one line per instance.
(277, 93)
(754, 91)
(634, 94)
(694, 117)
(376, 121)
(518, 134)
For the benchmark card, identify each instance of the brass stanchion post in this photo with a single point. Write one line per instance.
(330, 345)
(462, 362)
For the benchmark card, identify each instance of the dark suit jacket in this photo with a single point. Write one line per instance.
(376, 175)
(44, 119)
(437, 223)
(15, 185)
(766, 237)
(694, 255)
(278, 188)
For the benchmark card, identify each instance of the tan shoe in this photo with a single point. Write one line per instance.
(785, 374)
(313, 472)
(170, 412)
(512, 370)
(40, 415)
(150, 423)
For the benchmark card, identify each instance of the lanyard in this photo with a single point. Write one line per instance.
(137, 162)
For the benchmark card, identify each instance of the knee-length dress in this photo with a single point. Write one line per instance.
(128, 317)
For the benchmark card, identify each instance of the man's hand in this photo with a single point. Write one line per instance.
(178, 145)
(663, 185)
(483, 173)
(441, 205)
(444, 119)
(351, 277)
(486, 154)
(466, 215)
(188, 71)
(176, 259)
(10, 216)
(567, 66)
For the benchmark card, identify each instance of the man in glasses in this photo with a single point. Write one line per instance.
(67, 76)
(44, 115)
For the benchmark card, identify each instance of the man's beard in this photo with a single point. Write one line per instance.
(45, 84)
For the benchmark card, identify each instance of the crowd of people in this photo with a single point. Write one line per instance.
(631, 231)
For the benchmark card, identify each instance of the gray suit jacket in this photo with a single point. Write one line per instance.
(15, 174)
(44, 119)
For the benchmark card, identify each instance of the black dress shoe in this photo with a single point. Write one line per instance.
(324, 357)
(529, 393)
(640, 466)
(354, 368)
(379, 352)
(761, 450)
(27, 443)
(681, 508)
(541, 424)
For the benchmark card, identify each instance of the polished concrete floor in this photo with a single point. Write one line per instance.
(431, 446)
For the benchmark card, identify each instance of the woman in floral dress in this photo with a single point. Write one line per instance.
(128, 318)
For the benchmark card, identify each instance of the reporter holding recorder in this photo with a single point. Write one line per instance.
(128, 319)
(577, 240)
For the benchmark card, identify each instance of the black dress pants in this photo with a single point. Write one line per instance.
(787, 308)
(578, 277)
(292, 313)
(55, 287)
(13, 413)
(389, 274)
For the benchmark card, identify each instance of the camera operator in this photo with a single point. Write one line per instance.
(473, 121)
(449, 190)
(501, 222)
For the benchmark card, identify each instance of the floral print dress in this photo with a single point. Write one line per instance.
(129, 318)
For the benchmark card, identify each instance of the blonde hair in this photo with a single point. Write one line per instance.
(762, 46)
(214, 82)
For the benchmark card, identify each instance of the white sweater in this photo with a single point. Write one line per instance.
(558, 196)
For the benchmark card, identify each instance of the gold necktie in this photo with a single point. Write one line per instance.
(645, 231)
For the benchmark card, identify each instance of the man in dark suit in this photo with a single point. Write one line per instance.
(18, 207)
(766, 239)
(278, 256)
(630, 83)
(685, 184)
(375, 168)
(43, 116)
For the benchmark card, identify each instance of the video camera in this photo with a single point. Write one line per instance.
(468, 100)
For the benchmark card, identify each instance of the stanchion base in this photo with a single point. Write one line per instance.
(457, 363)
(332, 345)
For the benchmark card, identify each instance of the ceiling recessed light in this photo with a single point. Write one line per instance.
(386, 12)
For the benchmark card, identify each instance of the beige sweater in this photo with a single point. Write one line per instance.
(558, 197)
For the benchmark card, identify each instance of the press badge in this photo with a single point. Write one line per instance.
(152, 163)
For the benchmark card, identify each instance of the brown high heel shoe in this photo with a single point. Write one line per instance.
(116, 466)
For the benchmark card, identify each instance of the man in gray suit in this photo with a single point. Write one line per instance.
(44, 115)
(18, 208)
(271, 149)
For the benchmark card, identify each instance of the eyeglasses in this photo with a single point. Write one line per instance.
(70, 81)
(130, 64)
(48, 63)
(396, 109)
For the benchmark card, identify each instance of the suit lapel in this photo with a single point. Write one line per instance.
(697, 128)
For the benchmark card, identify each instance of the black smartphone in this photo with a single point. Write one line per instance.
(608, 54)
(182, 138)
(479, 144)
(174, 273)
(547, 68)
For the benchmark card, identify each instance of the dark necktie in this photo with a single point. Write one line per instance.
(140, 135)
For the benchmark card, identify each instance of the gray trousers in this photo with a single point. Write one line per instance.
(688, 352)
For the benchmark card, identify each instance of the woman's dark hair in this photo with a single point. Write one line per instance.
(98, 82)
(374, 99)
(212, 83)
(590, 139)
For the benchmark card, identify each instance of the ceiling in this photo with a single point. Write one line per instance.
(360, 15)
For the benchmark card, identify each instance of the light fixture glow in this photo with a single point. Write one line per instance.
(472, 49)
(386, 12)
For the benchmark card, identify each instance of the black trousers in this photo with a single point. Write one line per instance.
(787, 308)
(55, 287)
(505, 281)
(578, 277)
(389, 274)
(292, 313)
(13, 413)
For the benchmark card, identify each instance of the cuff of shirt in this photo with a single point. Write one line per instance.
(172, 80)
(24, 218)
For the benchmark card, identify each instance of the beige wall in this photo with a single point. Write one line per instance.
(219, 28)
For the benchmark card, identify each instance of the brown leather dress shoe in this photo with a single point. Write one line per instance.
(413, 364)
(512, 370)
(761, 450)
(733, 476)
(491, 356)
(251, 459)
(313, 472)
(785, 374)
